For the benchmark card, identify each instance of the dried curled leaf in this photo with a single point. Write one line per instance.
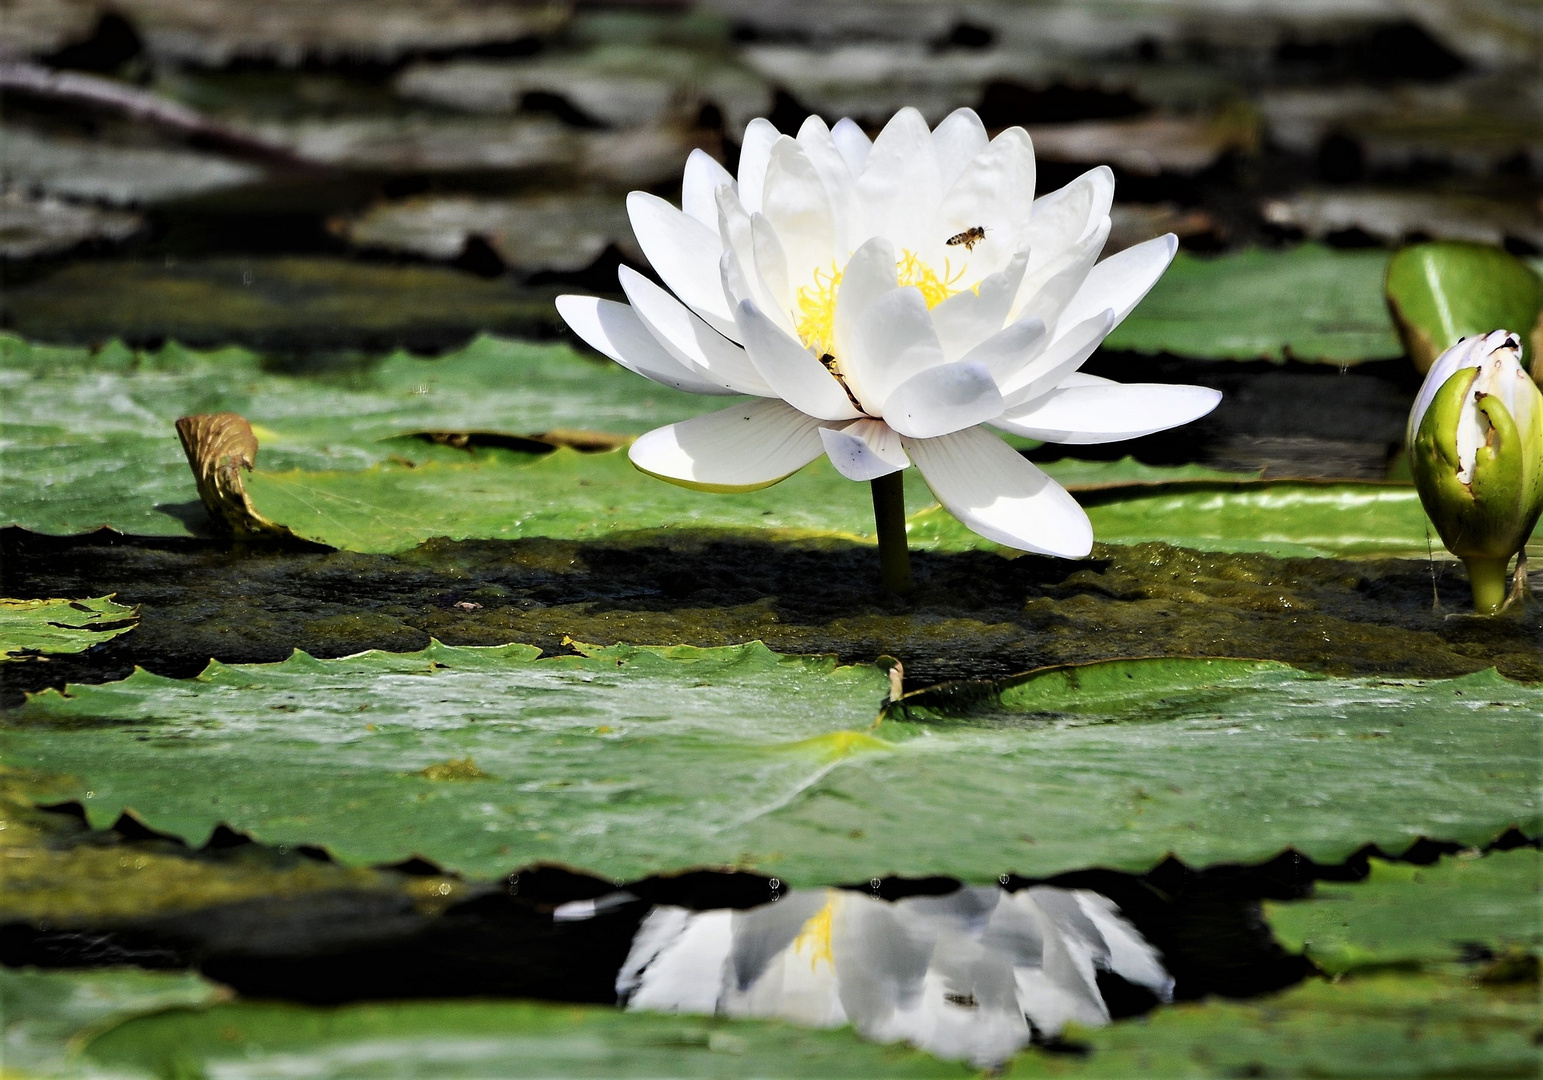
(219, 446)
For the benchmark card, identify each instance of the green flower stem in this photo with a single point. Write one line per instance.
(889, 517)
(1489, 582)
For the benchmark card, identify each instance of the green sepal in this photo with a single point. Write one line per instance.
(1491, 516)
(1508, 475)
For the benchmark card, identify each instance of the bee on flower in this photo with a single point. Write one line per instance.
(886, 303)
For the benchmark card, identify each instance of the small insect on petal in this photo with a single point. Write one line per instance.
(969, 238)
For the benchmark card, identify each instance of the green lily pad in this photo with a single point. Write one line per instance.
(46, 1014)
(1310, 303)
(1285, 518)
(1355, 1029)
(88, 439)
(392, 508)
(60, 626)
(97, 445)
(1418, 915)
(564, 494)
(478, 1039)
(584, 758)
(1442, 292)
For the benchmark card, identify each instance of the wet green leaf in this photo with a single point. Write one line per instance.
(1284, 518)
(88, 439)
(1374, 1026)
(97, 447)
(47, 1013)
(479, 1039)
(1309, 303)
(1405, 915)
(60, 626)
(564, 494)
(585, 758)
(1442, 292)
(567, 495)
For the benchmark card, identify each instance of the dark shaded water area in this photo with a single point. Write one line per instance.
(310, 931)
(974, 614)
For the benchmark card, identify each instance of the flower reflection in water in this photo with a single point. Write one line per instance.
(972, 974)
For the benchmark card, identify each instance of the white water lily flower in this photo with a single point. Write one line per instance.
(883, 301)
(963, 975)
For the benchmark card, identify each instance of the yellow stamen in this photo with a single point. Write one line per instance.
(814, 939)
(817, 311)
(816, 323)
(934, 288)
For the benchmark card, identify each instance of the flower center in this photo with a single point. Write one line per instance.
(816, 314)
(814, 941)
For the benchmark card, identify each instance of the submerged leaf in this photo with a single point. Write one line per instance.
(1404, 914)
(1351, 1029)
(61, 626)
(478, 1039)
(47, 1014)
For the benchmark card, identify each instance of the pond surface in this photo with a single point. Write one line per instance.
(512, 761)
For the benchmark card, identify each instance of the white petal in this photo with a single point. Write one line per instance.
(958, 139)
(869, 274)
(615, 330)
(1062, 356)
(741, 449)
(988, 486)
(1120, 281)
(734, 226)
(1469, 352)
(699, 187)
(968, 318)
(995, 191)
(864, 450)
(1046, 292)
(1130, 956)
(684, 253)
(790, 369)
(690, 340)
(1007, 352)
(770, 263)
(853, 143)
(743, 280)
(1067, 214)
(895, 342)
(795, 205)
(754, 157)
(943, 399)
(1098, 414)
(851, 219)
(901, 184)
(1082, 378)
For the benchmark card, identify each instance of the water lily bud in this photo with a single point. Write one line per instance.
(1476, 448)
